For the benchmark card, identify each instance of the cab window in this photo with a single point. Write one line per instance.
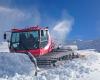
(44, 38)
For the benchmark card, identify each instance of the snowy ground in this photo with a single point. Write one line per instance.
(4, 47)
(87, 68)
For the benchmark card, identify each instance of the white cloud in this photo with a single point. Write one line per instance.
(10, 17)
(12, 14)
(35, 14)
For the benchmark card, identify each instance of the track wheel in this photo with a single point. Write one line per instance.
(73, 55)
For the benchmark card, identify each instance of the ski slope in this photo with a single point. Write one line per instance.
(86, 68)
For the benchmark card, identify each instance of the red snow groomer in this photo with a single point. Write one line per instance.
(34, 39)
(37, 41)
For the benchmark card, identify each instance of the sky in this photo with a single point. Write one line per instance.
(81, 16)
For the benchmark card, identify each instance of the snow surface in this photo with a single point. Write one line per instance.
(4, 47)
(85, 68)
(12, 63)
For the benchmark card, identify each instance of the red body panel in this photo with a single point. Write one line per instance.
(38, 52)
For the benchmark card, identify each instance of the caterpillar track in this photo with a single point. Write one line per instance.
(56, 55)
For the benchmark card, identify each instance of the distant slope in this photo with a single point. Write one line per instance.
(88, 44)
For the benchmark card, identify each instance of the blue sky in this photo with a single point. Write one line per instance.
(23, 13)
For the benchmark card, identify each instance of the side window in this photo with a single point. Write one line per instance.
(44, 38)
(34, 33)
(44, 35)
(14, 40)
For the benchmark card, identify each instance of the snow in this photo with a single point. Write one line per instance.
(84, 68)
(73, 47)
(4, 47)
(12, 63)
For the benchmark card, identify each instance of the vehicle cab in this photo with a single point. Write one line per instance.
(35, 40)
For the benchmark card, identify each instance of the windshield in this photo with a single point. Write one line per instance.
(25, 40)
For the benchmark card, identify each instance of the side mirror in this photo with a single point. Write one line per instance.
(5, 36)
